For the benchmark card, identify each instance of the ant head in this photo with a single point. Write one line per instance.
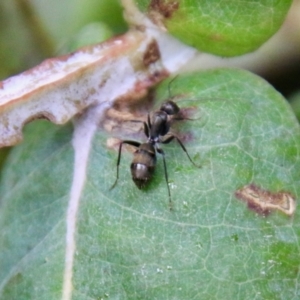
(170, 108)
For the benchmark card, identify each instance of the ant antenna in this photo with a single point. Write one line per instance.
(169, 86)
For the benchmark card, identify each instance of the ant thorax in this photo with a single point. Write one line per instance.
(159, 125)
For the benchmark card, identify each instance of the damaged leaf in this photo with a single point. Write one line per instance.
(62, 87)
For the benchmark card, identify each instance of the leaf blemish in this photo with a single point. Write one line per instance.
(165, 8)
(264, 201)
(152, 54)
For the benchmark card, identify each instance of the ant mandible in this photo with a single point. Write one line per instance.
(144, 158)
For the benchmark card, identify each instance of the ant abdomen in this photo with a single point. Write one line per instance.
(143, 165)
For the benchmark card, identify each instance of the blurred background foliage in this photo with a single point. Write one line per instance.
(33, 30)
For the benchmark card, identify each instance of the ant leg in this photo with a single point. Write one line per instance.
(132, 143)
(146, 129)
(169, 86)
(180, 118)
(160, 151)
(146, 126)
(170, 138)
(149, 122)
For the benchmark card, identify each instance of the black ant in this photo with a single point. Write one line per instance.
(144, 158)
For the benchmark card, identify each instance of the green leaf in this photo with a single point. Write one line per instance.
(226, 28)
(295, 103)
(129, 245)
